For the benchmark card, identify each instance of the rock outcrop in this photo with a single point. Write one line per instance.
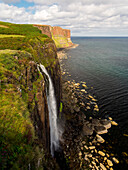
(45, 29)
(61, 37)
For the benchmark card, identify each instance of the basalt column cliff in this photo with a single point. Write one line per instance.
(61, 37)
(24, 89)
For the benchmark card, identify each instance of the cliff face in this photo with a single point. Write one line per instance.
(46, 29)
(24, 118)
(61, 37)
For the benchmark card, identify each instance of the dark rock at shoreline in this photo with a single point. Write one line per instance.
(106, 123)
(87, 130)
(100, 129)
(100, 139)
(95, 122)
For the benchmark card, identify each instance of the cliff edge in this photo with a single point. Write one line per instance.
(61, 37)
(24, 114)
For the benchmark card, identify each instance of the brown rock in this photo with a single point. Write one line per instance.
(95, 122)
(45, 29)
(101, 153)
(100, 129)
(87, 130)
(115, 160)
(106, 123)
(100, 139)
(102, 166)
(109, 162)
(114, 123)
(92, 147)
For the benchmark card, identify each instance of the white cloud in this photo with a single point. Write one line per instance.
(84, 17)
(13, 14)
(87, 2)
(10, 1)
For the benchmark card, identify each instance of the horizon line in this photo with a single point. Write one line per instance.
(105, 36)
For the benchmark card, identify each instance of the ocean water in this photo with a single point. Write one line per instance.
(103, 64)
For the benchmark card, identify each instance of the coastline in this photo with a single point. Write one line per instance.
(61, 54)
(70, 47)
(88, 144)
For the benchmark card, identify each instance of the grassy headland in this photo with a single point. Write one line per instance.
(21, 47)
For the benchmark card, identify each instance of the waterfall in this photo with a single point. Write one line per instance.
(52, 108)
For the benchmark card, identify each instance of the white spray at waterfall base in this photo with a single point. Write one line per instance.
(52, 108)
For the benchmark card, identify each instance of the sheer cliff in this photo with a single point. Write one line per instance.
(61, 37)
(24, 116)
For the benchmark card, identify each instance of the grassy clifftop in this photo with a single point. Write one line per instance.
(16, 129)
(27, 38)
(21, 90)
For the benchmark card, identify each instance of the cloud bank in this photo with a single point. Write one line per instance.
(83, 17)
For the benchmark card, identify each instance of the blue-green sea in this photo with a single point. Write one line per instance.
(102, 62)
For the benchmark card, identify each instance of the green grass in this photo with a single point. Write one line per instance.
(16, 129)
(20, 44)
(60, 41)
(19, 29)
(7, 51)
(17, 136)
(6, 36)
(28, 38)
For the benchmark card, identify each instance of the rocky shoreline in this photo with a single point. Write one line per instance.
(83, 136)
(61, 51)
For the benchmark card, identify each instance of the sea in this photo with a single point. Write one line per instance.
(102, 62)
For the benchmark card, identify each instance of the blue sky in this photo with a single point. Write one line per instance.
(22, 3)
(83, 17)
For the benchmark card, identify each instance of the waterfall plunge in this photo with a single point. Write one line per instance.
(52, 108)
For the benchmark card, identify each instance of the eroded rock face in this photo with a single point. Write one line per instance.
(35, 87)
(45, 29)
(39, 113)
(61, 37)
(61, 32)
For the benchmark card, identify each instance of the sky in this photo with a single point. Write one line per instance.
(82, 17)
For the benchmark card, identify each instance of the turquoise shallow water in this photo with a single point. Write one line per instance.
(103, 64)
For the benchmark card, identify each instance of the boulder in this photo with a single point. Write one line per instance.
(85, 147)
(93, 163)
(84, 85)
(111, 168)
(92, 147)
(105, 158)
(114, 123)
(95, 151)
(107, 155)
(90, 155)
(95, 122)
(87, 130)
(106, 123)
(109, 162)
(88, 108)
(100, 129)
(100, 139)
(101, 153)
(109, 118)
(96, 167)
(80, 153)
(90, 126)
(102, 166)
(115, 160)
